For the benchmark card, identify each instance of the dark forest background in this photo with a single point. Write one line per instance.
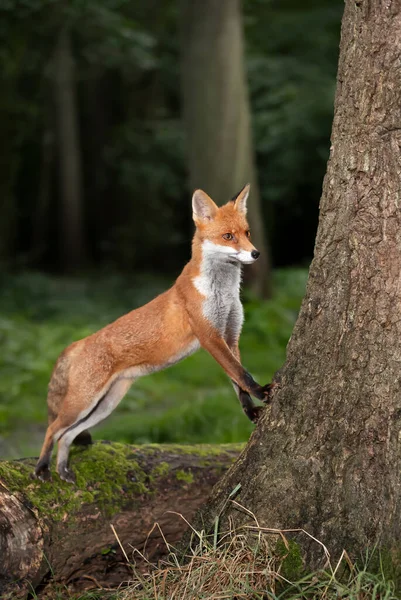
(111, 112)
(94, 166)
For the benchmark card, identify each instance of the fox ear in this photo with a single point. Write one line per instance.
(241, 199)
(203, 207)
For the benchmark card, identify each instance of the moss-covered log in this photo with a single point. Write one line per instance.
(66, 529)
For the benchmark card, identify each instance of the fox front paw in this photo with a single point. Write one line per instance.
(254, 413)
(268, 391)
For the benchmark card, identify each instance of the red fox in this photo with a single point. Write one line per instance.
(202, 308)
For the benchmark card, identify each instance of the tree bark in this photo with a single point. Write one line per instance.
(327, 457)
(66, 529)
(72, 239)
(217, 114)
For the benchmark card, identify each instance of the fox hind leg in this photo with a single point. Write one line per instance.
(104, 406)
(42, 469)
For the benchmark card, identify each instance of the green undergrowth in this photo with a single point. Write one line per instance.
(191, 402)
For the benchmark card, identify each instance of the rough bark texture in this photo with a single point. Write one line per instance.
(217, 114)
(327, 457)
(66, 528)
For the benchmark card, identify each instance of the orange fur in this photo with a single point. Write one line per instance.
(93, 374)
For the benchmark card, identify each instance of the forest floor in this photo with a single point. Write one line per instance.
(40, 315)
(244, 566)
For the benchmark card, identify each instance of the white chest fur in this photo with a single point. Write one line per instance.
(219, 283)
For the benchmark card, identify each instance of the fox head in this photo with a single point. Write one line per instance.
(224, 232)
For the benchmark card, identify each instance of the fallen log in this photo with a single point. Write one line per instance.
(66, 529)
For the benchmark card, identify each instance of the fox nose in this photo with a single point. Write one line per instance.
(255, 254)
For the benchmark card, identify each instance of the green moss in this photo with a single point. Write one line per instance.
(160, 470)
(108, 550)
(292, 565)
(55, 498)
(202, 450)
(107, 475)
(186, 476)
(206, 452)
(106, 467)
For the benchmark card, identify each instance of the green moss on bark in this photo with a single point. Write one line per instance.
(186, 476)
(292, 565)
(108, 474)
(160, 470)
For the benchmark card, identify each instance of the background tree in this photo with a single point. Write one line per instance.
(291, 58)
(129, 129)
(217, 114)
(69, 153)
(327, 456)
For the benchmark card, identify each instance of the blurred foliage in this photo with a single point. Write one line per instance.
(135, 184)
(136, 198)
(292, 63)
(41, 315)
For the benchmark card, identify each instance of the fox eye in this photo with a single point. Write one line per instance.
(228, 236)
(248, 233)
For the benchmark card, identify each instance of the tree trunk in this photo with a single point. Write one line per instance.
(217, 114)
(67, 529)
(327, 457)
(10, 161)
(72, 243)
(40, 220)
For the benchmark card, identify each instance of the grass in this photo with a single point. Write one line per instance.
(245, 565)
(250, 563)
(40, 315)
